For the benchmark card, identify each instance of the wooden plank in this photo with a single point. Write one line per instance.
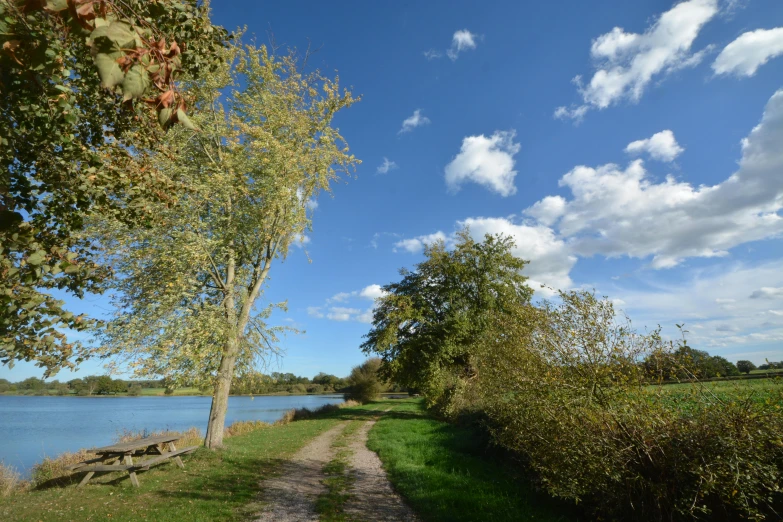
(86, 479)
(136, 444)
(105, 467)
(82, 464)
(129, 462)
(173, 450)
(151, 462)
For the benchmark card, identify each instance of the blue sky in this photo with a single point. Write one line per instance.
(631, 147)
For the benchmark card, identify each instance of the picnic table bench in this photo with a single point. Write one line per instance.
(119, 457)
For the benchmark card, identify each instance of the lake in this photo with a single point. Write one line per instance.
(32, 428)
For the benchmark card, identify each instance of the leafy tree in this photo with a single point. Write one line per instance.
(326, 379)
(745, 366)
(425, 326)
(32, 383)
(191, 280)
(134, 390)
(69, 72)
(104, 385)
(364, 383)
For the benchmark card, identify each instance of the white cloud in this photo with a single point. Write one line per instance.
(548, 210)
(626, 63)
(300, 240)
(487, 161)
(339, 313)
(699, 301)
(416, 120)
(433, 54)
(661, 146)
(315, 311)
(767, 292)
(461, 41)
(623, 212)
(386, 166)
(416, 244)
(550, 260)
(749, 51)
(372, 292)
(349, 313)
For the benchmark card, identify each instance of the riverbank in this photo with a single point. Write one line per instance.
(441, 471)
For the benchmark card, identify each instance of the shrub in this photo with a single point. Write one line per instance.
(53, 469)
(364, 384)
(242, 427)
(562, 387)
(10, 480)
(134, 390)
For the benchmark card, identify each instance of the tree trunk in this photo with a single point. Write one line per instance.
(217, 413)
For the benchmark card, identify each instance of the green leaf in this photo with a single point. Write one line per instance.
(122, 35)
(184, 120)
(136, 83)
(164, 117)
(56, 6)
(109, 70)
(36, 258)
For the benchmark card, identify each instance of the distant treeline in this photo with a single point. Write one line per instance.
(253, 383)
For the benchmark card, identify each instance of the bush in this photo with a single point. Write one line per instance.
(364, 384)
(53, 469)
(562, 387)
(134, 390)
(242, 427)
(10, 480)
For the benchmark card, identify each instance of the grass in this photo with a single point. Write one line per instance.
(331, 505)
(446, 472)
(221, 485)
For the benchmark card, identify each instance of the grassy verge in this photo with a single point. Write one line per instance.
(331, 505)
(217, 486)
(445, 473)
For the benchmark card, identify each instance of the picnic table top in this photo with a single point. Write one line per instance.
(137, 444)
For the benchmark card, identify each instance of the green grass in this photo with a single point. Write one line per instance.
(214, 486)
(331, 505)
(446, 473)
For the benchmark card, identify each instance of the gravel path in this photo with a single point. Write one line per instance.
(372, 497)
(290, 496)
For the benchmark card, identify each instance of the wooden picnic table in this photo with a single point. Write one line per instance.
(119, 457)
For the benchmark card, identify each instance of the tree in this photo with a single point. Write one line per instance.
(191, 280)
(364, 383)
(425, 326)
(70, 71)
(745, 366)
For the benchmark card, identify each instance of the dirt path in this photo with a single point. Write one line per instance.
(291, 496)
(372, 497)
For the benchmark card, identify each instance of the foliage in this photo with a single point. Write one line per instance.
(745, 366)
(364, 383)
(190, 281)
(688, 363)
(562, 388)
(65, 142)
(449, 473)
(10, 480)
(426, 325)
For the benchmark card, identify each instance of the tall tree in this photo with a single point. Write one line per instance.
(190, 281)
(426, 324)
(70, 71)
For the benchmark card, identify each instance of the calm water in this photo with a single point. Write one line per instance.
(34, 427)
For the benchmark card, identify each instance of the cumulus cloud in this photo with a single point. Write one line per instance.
(550, 260)
(386, 166)
(349, 313)
(626, 62)
(487, 161)
(749, 51)
(461, 41)
(416, 120)
(767, 292)
(618, 211)
(661, 146)
(416, 244)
